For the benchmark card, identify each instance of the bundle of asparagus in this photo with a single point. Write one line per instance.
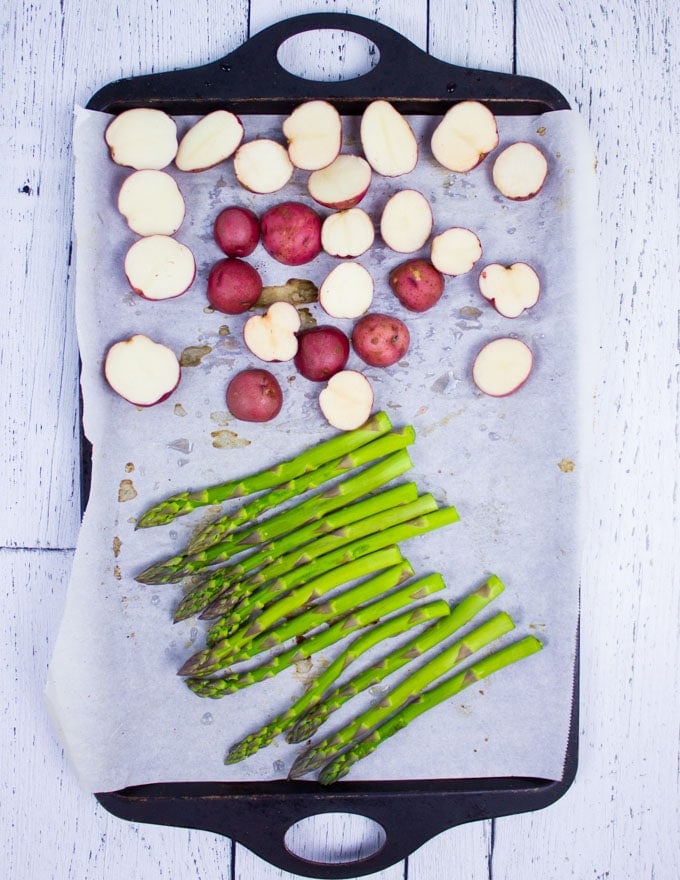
(315, 571)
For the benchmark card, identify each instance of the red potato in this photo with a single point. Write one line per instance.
(322, 352)
(159, 267)
(387, 140)
(233, 286)
(502, 366)
(347, 233)
(406, 221)
(417, 285)
(314, 134)
(273, 336)
(347, 291)
(467, 133)
(151, 203)
(455, 251)
(254, 396)
(237, 231)
(347, 400)
(262, 166)
(142, 371)
(342, 184)
(511, 289)
(142, 138)
(380, 340)
(291, 233)
(210, 141)
(519, 172)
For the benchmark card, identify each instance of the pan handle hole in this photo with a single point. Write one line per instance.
(328, 55)
(335, 838)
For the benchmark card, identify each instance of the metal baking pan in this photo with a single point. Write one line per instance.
(251, 80)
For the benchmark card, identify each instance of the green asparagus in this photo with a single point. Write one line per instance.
(240, 647)
(340, 765)
(407, 689)
(216, 531)
(461, 614)
(386, 629)
(289, 522)
(186, 502)
(353, 622)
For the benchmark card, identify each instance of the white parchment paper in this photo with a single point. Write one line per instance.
(514, 467)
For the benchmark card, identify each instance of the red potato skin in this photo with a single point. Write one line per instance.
(291, 233)
(254, 396)
(417, 285)
(233, 286)
(322, 352)
(380, 340)
(237, 231)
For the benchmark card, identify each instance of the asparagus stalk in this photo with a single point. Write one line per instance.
(382, 507)
(225, 525)
(357, 620)
(285, 526)
(434, 635)
(185, 502)
(382, 631)
(406, 690)
(483, 668)
(240, 647)
(358, 546)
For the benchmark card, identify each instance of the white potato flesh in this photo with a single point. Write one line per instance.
(142, 138)
(142, 371)
(262, 166)
(520, 171)
(466, 134)
(212, 140)
(511, 289)
(151, 203)
(347, 400)
(387, 140)
(455, 251)
(271, 337)
(502, 366)
(314, 134)
(347, 233)
(347, 291)
(159, 267)
(406, 221)
(342, 184)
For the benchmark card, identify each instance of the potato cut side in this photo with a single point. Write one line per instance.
(262, 166)
(347, 400)
(212, 140)
(159, 267)
(142, 371)
(152, 203)
(347, 233)
(511, 289)
(347, 291)
(387, 140)
(467, 133)
(342, 184)
(142, 138)
(406, 221)
(314, 134)
(271, 337)
(455, 251)
(502, 366)
(520, 171)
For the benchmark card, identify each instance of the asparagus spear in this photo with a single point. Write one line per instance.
(358, 546)
(362, 617)
(225, 525)
(382, 631)
(383, 507)
(185, 502)
(240, 647)
(284, 526)
(483, 668)
(328, 703)
(406, 690)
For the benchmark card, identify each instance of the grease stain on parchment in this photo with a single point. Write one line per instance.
(193, 355)
(126, 491)
(566, 465)
(129, 467)
(179, 410)
(117, 544)
(220, 417)
(228, 440)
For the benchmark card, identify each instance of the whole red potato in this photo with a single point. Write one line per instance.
(233, 286)
(417, 284)
(291, 233)
(380, 340)
(254, 396)
(237, 231)
(322, 352)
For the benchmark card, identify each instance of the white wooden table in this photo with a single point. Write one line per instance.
(620, 65)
